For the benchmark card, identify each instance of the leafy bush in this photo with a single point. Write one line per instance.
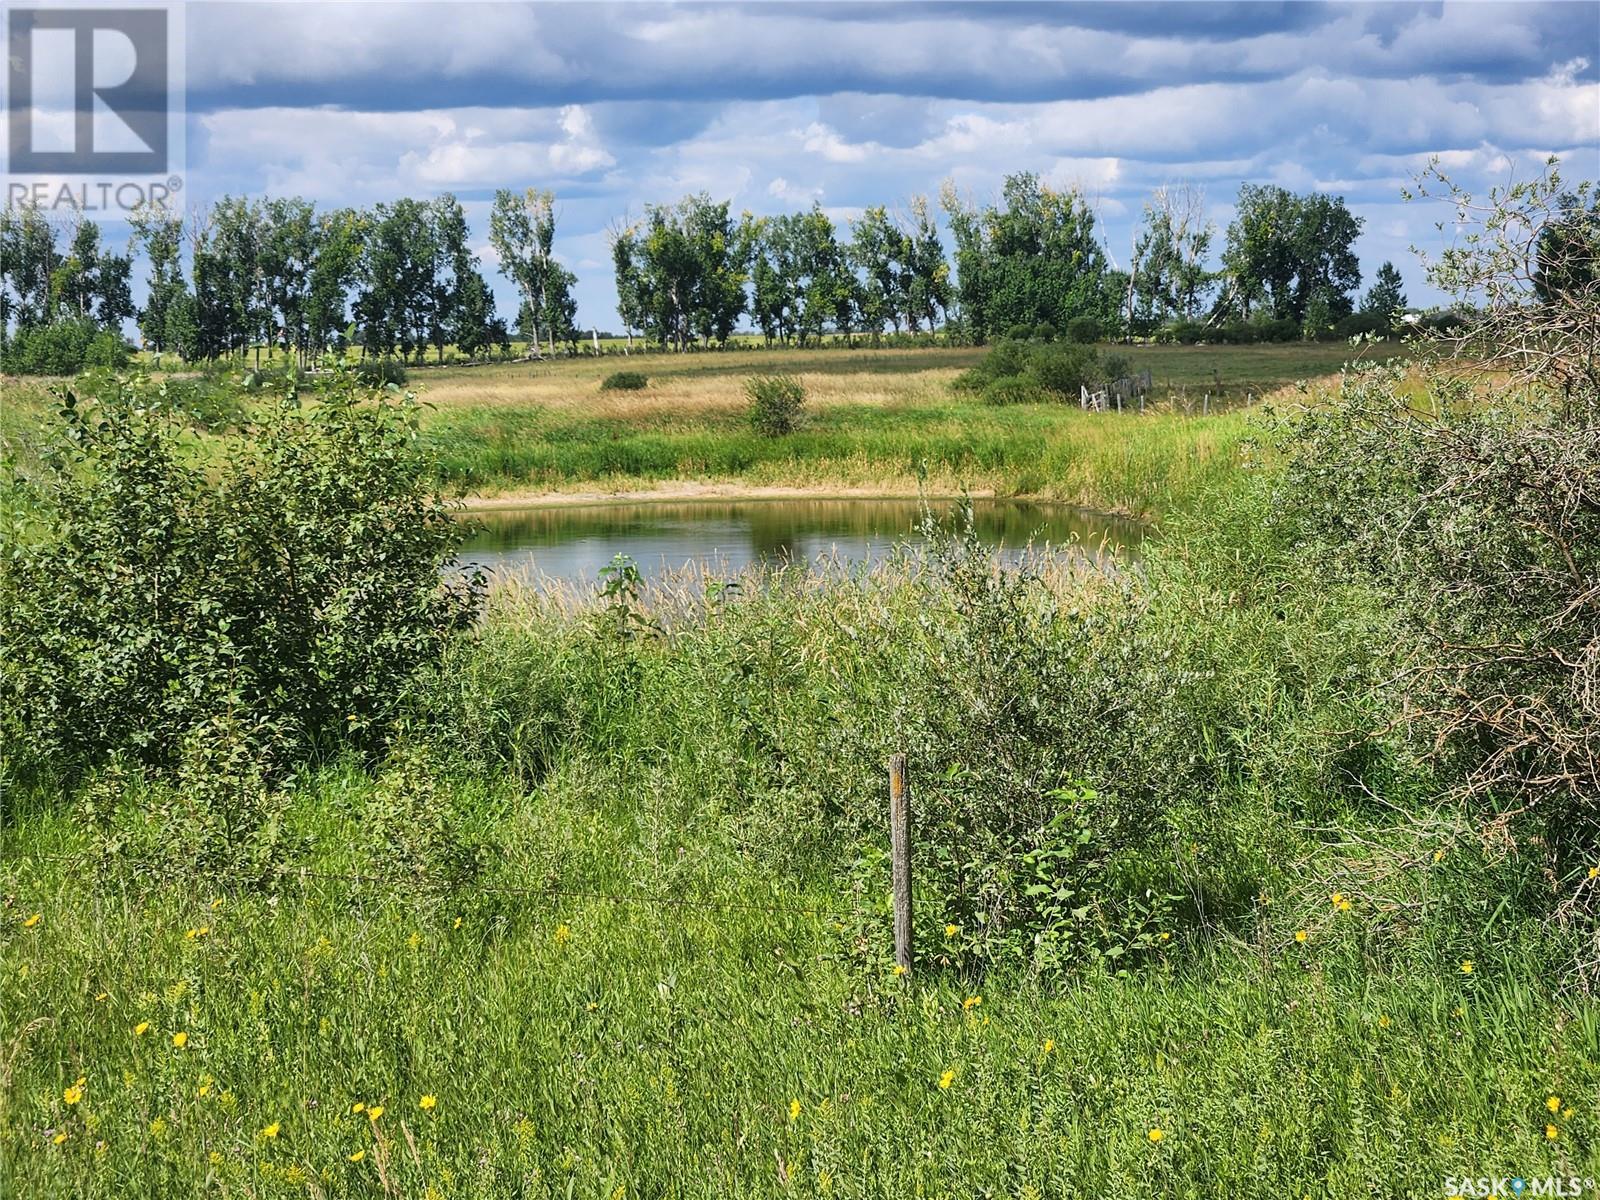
(1275, 329)
(1062, 369)
(1480, 525)
(218, 811)
(64, 348)
(1083, 330)
(624, 381)
(775, 403)
(1031, 373)
(1044, 332)
(412, 826)
(294, 588)
(377, 372)
(1013, 389)
(1359, 324)
(1184, 333)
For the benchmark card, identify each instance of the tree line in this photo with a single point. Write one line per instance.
(401, 279)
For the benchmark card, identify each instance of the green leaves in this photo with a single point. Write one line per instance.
(295, 587)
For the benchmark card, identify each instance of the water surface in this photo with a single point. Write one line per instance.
(573, 543)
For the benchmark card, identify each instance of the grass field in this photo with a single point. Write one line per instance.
(885, 420)
(876, 419)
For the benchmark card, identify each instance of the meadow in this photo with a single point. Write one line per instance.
(881, 422)
(594, 904)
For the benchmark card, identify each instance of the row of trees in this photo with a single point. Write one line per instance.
(279, 272)
(687, 272)
(45, 282)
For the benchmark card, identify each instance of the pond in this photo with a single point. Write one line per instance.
(573, 543)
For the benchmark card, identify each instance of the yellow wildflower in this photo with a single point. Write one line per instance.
(33, 920)
(563, 932)
(1344, 906)
(1438, 856)
(1551, 1132)
(457, 924)
(216, 904)
(1301, 936)
(794, 1110)
(970, 1003)
(270, 1132)
(358, 1156)
(374, 1112)
(1466, 966)
(1383, 1021)
(142, 1028)
(100, 997)
(358, 1107)
(1337, 898)
(1553, 1103)
(1155, 1135)
(75, 1093)
(899, 969)
(180, 1039)
(950, 931)
(1594, 872)
(59, 1138)
(1566, 1114)
(1049, 1045)
(946, 1080)
(428, 1103)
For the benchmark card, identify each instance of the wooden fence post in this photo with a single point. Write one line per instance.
(900, 857)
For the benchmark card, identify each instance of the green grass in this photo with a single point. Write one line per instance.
(582, 1037)
(884, 419)
(915, 430)
(591, 1048)
(577, 1046)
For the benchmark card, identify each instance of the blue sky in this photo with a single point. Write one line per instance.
(773, 105)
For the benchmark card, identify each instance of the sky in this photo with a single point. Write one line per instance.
(776, 105)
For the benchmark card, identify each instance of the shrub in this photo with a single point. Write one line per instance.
(1019, 333)
(1013, 389)
(1030, 373)
(296, 587)
(1360, 324)
(64, 348)
(1063, 368)
(376, 372)
(775, 403)
(1083, 330)
(108, 350)
(624, 381)
(1044, 332)
(1184, 333)
(1274, 329)
(1479, 527)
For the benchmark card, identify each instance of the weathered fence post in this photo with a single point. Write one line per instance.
(900, 859)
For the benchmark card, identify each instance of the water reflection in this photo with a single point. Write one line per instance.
(573, 543)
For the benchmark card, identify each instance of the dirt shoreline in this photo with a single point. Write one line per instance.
(691, 489)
